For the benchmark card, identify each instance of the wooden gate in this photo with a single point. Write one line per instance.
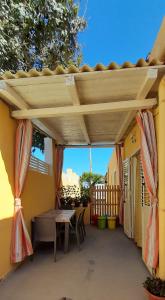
(105, 200)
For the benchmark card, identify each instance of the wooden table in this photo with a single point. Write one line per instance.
(61, 216)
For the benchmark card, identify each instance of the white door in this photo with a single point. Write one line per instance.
(127, 198)
(133, 173)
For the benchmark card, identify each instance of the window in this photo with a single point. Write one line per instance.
(145, 199)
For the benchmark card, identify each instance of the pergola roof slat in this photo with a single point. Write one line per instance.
(84, 108)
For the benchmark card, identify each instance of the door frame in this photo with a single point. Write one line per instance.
(129, 224)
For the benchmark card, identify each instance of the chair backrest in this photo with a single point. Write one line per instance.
(82, 216)
(79, 220)
(45, 229)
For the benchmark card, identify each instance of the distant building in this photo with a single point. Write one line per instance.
(70, 178)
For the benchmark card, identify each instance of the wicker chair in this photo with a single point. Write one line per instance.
(44, 230)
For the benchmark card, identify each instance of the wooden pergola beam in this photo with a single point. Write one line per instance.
(104, 145)
(9, 95)
(73, 92)
(146, 86)
(87, 109)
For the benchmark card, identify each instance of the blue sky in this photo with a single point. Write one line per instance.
(78, 160)
(120, 30)
(117, 31)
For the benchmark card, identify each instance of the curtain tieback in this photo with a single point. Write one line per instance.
(154, 201)
(17, 203)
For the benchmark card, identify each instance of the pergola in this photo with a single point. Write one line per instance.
(87, 106)
(92, 108)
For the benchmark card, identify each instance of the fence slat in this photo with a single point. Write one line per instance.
(105, 200)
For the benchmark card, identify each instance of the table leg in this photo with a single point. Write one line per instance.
(66, 245)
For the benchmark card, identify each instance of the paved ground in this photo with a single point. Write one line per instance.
(109, 267)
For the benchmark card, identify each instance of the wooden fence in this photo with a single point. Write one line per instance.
(105, 200)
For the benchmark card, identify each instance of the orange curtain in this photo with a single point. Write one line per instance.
(120, 174)
(59, 154)
(149, 159)
(20, 241)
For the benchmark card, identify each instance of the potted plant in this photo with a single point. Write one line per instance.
(69, 197)
(85, 197)
(155, 288)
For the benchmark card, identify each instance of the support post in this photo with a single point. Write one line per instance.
(48, 147)
(161, 157)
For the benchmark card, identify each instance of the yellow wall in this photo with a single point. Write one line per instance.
(132, 142)
(38, 194)
(131, 145)
(112, 168)
(112, 173)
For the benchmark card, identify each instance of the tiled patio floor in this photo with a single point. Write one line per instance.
(109, 267)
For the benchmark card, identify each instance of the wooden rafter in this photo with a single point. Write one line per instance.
(72, 89)
(87, 109)
(9, 95)
(146, 86)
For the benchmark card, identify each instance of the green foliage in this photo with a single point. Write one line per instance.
(155, 286)
(40, 33)
(38, 140)
(69, 196)
(70, 191)
(88, 179)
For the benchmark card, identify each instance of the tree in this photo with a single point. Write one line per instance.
(39, 33)
(88, 179)
(38, 140)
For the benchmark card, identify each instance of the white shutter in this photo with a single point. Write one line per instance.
(145, 199)
(127, 204)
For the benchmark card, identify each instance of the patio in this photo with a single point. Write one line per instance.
(109, 266)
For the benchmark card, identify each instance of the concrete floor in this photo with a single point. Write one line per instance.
(109, 267)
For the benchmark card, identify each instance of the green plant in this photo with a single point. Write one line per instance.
(69, 191)
(69, 196)
(155, 286)
(38, 140)
(39, 33)
(85, 195)
(88, 179)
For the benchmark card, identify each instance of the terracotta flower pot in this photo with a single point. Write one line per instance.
(153, 297)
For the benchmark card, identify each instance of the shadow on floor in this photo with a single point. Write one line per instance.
(109, 267)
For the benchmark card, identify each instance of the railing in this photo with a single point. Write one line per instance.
(105, 200)
(39, 165)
